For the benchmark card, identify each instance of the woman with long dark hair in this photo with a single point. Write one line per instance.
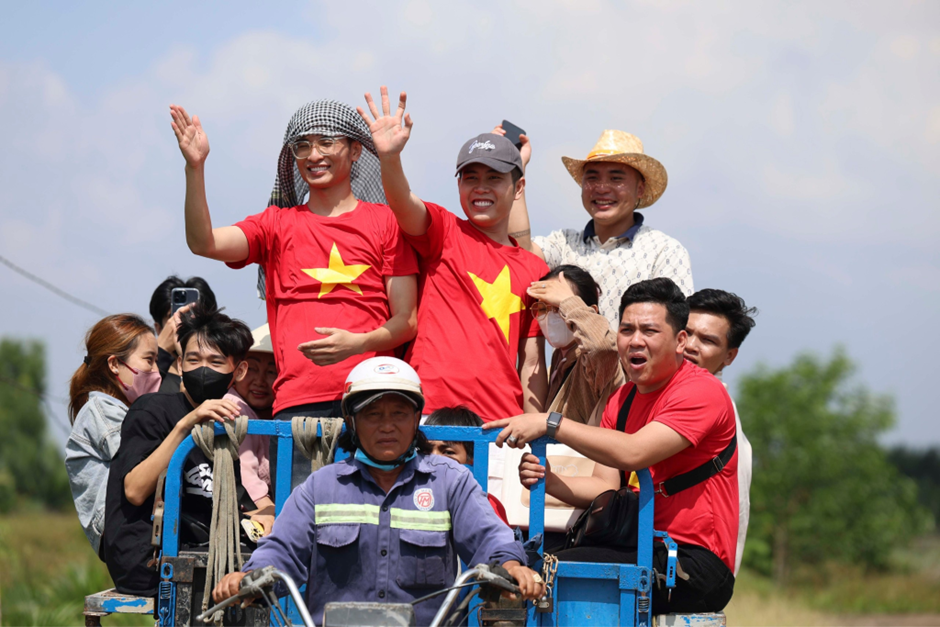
(120, 365)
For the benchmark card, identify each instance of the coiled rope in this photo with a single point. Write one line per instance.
(225, 553)
(319, 450)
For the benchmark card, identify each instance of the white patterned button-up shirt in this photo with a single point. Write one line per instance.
(639, 254)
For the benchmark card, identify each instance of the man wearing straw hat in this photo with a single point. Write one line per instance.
(616, 179)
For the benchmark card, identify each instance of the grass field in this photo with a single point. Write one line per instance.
(48, 568)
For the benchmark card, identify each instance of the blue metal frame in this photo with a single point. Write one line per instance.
(584, 592)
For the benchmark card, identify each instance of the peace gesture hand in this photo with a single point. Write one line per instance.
(388, 134)
(192, 139)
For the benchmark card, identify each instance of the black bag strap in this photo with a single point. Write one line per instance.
(704, 472)
(622, 424)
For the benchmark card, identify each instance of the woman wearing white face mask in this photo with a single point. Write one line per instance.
(119, 366)
(585, 364)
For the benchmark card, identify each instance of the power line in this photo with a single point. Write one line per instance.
(52, 288)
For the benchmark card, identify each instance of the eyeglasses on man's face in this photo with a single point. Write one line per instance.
(303, 148)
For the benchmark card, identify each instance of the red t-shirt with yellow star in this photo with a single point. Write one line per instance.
(473, 312)
(323, 272)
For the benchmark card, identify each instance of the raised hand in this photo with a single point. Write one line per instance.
(525, 150)
(552, 291)
(192, 139)
(388, 133)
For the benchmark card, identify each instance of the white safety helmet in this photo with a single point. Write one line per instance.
(377, 376)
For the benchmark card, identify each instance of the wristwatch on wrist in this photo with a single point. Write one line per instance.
(554, 419)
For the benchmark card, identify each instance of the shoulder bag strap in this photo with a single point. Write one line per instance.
(704, 472)
(622, 424)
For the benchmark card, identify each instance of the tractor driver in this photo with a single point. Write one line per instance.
(387, 524)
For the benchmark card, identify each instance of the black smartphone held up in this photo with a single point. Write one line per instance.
(182, 296)
(513, 132)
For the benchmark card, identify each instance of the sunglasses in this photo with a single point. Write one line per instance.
(539, 310)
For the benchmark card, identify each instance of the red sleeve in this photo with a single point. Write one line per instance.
(498, 508)
(612, 408)
(399, 257)
(530, 326)
(430, 245)
(692, 410)
(257, 229)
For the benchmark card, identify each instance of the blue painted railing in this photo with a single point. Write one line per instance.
(585, 593)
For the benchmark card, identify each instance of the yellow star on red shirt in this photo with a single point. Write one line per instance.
(337, 273)
(499, 303)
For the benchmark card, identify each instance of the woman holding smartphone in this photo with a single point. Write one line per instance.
(120, 365)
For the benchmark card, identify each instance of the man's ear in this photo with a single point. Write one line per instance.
(640, 187)
(241, 370)
(682, 338)
(729, 358)
(520, 187)
(355, 150)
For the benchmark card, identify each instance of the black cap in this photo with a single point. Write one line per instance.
(491, 150)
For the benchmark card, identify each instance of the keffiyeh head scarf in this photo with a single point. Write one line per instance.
(325, 117)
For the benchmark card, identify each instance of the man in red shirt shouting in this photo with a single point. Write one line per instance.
(679, 420)
(340, 282)
(477, 343)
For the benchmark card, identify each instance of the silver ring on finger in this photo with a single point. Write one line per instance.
(512, 439)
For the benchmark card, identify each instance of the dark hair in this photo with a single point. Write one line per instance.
(160, 301)
(116, 335)
(731, 307)
(460, 416)
(661, 291)
(516, 175)
(584, 284)
(346, 443)
(213, 328)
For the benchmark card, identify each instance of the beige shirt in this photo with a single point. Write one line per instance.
(595, 366)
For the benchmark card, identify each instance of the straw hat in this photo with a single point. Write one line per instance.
(620, 147)
(262, 340)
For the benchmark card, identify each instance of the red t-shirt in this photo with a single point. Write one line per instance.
(323, 272)
(695, 405)
(472, 311)
(498, 508)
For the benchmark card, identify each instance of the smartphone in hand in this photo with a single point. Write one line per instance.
(513, 132)
(182, 296)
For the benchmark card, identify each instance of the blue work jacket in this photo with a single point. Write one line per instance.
(349, 541)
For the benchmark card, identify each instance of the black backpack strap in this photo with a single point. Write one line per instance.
(704, 472)
(622, 424)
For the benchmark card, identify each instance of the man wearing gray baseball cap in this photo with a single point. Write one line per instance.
(473, 315)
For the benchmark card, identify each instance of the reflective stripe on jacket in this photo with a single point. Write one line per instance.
(349, 541)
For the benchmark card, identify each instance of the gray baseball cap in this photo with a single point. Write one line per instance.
(491, 150)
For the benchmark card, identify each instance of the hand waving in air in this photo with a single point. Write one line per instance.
(388, 133)
(192, 139)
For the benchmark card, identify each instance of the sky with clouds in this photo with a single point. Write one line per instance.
(802, 141)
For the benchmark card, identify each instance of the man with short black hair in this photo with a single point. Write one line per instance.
(214, 348)
(719, 322)
(679, 419)
(164, 323)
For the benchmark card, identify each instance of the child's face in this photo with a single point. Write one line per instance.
(455, 450)
(487, 195)
(257, 386)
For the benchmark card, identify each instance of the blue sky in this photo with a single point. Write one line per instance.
(802, 142)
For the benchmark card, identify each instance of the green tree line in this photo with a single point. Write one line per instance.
(823, 490)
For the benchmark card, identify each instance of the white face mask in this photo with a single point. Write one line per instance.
(555, 330)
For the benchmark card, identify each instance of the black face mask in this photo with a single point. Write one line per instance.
(205, 383)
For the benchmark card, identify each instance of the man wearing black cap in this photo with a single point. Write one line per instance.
(473, 318)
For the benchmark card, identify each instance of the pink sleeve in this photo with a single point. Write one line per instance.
(253, 456)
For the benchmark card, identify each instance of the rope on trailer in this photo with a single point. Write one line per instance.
(319, 450)
(225, 553)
